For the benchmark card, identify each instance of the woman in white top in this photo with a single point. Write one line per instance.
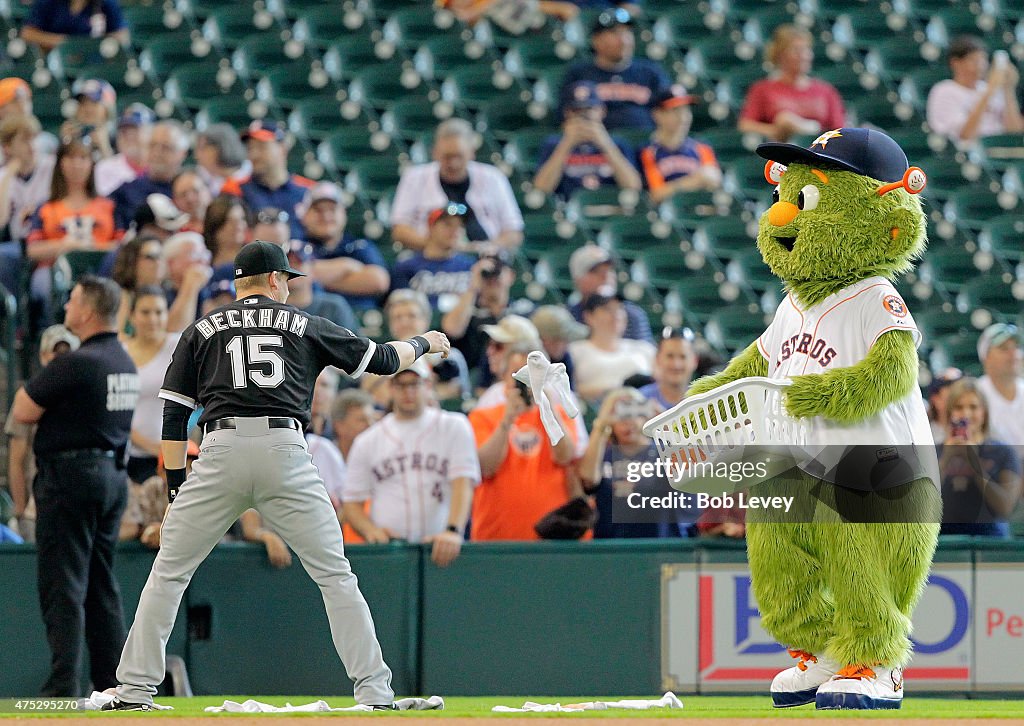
(150, 347)
(606, 359)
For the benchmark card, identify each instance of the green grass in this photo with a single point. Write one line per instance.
(740, 707)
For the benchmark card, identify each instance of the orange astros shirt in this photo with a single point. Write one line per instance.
(529, 483)
(55, 219)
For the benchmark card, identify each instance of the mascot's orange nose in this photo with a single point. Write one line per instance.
(782, 213)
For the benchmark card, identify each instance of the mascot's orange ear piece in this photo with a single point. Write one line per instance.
(913, 181)
(773, 172)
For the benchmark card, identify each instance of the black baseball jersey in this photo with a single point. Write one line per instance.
(89, 395)
(258, 357)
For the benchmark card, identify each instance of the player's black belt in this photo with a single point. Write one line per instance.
(273, 422)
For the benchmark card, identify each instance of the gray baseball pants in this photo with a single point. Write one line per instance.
(253, 466)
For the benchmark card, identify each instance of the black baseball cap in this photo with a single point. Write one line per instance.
(862, 151)
(260, 257)
(599, 300)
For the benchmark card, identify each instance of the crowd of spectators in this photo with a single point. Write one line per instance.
(170, 209)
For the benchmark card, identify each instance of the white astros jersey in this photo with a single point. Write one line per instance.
(405, 469)
(838, 333)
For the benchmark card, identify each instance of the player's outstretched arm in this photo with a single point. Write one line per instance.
(848, 395)
(397, 355)
(748, 363)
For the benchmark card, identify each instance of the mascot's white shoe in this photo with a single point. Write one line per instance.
(860, 687)
(798, 685)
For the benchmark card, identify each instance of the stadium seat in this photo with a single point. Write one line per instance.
(748, 269)
(162, 55)
(592, 204)
(956, 351)
(378, 86)
(723, 237)
(479, 85)
(436, 58)
(945, 177)
(689, 209)
(150, 23)
(892, 58)
(289, 84)
(543, 233)
(711, 59)
(532, 56)
(1002, 151)
(302, 160)
(745, 177)
(729, 144)
(346, 146)
(662, 265)
(373, 177)
(552, 269)
(324, 26)
(863, 30)
(260, 52)
(698, 296)
(234, 110)
(627, 237)
(195, 83)
(227, 26)
(316, 118)
(948, 268)
(522, 151)
(68, 268)
(69, 58)
(990, 292)
(937, 323)
(734, 327)
(974, 207)
(413, 26)
(506, 116)
(1004, 236)
(882, 112)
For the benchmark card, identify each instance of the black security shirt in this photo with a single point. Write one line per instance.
(258, 357)
(89, 396)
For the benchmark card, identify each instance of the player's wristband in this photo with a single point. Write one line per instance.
(175, 478)
(454, 528)
(420, 344)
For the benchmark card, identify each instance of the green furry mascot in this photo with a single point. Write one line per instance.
(838, 583)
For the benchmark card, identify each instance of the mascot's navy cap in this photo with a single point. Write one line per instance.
(862, 151)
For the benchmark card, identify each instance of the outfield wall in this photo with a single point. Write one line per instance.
(597, 618)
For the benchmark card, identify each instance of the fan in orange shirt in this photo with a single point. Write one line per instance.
(524, 477)
(75, 218)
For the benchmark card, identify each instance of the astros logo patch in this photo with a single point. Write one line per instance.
(826, 137)
(895, 305)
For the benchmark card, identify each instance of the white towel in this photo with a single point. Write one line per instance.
(669, 700)
(543, 376)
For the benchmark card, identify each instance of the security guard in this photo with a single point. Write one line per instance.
(83, 402)
(251, 365)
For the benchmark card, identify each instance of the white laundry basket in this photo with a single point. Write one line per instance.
(729, 438)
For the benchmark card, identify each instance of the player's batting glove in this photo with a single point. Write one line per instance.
(175, 478)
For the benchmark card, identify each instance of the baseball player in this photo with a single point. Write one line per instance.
(417, 466)
(251, 365)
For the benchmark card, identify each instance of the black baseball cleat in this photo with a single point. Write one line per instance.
(384, 707)
(118, 705)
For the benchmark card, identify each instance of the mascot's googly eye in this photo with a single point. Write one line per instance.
(773, 172)
(808, 198)
(775, 195)
(914, 180)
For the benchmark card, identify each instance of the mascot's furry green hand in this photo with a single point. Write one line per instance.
(839, 591)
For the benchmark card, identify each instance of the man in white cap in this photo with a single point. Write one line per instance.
(348, 266)
(21, 464)
(593, 271)
(512, 334)
(999, 350)
(129, 163)
(417, 467)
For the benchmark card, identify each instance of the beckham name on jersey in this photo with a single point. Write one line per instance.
(292, 322)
